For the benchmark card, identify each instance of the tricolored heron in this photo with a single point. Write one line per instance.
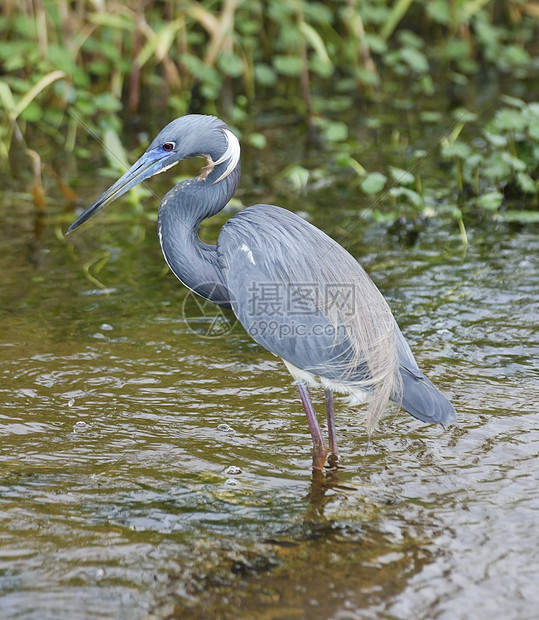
(297, 292)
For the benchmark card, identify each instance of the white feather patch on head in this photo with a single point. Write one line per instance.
(231, 155)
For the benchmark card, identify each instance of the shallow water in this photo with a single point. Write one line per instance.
(151, 471)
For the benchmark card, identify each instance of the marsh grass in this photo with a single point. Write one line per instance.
(73, 70)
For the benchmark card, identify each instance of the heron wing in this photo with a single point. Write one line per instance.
(420, 397)
(304, 297)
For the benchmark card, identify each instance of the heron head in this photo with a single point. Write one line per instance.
(187, 136)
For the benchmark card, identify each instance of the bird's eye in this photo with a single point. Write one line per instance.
(168, 146)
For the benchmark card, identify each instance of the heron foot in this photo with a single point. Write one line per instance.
(333, 460)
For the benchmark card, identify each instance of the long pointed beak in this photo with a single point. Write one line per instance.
(149, 164)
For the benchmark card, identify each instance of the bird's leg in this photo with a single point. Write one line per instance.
(330, 415)
(319, 447)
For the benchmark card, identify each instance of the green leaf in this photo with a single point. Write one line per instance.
(415, 59)
(509, 120)
(517, 164)
(265, 75)
(474, 160)
(409, 39)
(512, 101)
(528, 217)
(531, 114)
(409, 195)
(336, 131)
(107, 102)
(373, 182)
(288, 65)
(231, 64)
(427, 85)
(113, 21)
(258, 140)
(345, 160)
(490, 201)
(402, 177)
(464, 115)
(457, 49)
(323, 69)
(198, 69)
(317, 13)
(496, 139)
(526, 183)
(298, 176)
(430, 116)
(458, 150)
(376, 43)
(374, 13)
(495, 168)
(513, 55)
(367, 77)
(32, 112)
(439, 11)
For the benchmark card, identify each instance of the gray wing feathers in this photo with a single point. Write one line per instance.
(264, 252)
(424, 401)
(326, 314)
(420, 397)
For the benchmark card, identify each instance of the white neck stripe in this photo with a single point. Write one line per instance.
(231, 155)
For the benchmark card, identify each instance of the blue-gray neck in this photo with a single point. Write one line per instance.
(180, 214)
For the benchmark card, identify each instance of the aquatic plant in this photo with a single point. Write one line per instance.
(74, 70)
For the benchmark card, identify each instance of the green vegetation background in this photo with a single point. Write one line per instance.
(71, 72)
